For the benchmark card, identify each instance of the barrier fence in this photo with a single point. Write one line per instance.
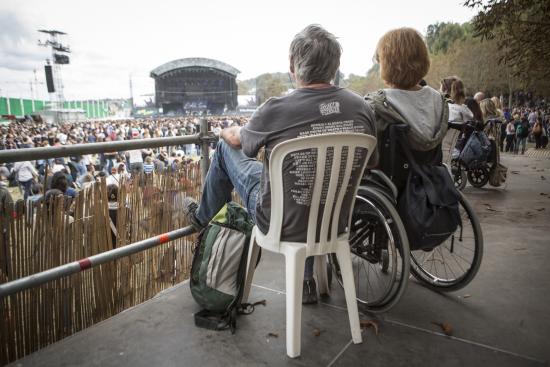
(20, 107)
(44, 293)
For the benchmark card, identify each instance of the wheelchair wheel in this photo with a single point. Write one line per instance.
(379, 252)
(453, 264)
(478, 177)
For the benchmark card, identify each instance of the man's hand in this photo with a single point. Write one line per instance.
(232, 136)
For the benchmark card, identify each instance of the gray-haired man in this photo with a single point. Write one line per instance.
(315, 107)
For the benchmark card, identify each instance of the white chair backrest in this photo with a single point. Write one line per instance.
(337, 178)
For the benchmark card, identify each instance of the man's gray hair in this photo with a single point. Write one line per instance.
(315, 55)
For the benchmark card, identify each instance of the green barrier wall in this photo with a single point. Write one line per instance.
(20, 107)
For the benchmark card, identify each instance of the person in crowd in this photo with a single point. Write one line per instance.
(314, 60)
(36, 193)
(522, 132)
(25, 173)
(148, 166)
(498, 107)
(7, 211)
(453, 89)
(477, 120)
(473, 106)
(491, 119)
(511, 134)
(537, 132)
(112, 196)
(6, 199)
(135, 157)
(479, 96)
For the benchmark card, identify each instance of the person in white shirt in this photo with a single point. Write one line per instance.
(459, 113)
(135, 157)
(25, 172)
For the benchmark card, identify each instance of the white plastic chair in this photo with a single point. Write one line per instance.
(295, 253)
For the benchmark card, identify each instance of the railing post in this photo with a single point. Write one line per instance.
(205, 149)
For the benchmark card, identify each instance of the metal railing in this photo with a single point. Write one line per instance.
(203, 138)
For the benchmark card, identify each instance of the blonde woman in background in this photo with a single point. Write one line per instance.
(492, 121)
(491, 118)
(498, 106)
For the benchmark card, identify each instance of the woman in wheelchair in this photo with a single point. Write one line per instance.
(416, 116)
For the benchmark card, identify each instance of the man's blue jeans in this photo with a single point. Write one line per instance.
(232, 169)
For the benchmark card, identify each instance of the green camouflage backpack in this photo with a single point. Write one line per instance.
(219, 268)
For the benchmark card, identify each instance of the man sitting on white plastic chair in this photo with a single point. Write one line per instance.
(315, 107)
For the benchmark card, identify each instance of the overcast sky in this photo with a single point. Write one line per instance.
(111, 40)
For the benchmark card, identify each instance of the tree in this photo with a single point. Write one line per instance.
(440, 36)
(365, 84)
(267, 86)
(244, 86)
(522, 31)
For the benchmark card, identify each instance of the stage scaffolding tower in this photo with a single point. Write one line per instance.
(59, 56)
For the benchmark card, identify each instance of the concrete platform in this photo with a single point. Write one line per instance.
(500, 319)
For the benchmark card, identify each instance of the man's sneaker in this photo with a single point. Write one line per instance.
(309, 295)
(190, 207)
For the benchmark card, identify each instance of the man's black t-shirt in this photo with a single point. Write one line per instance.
(302, 113)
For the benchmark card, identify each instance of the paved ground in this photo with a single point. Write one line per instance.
(503, 320)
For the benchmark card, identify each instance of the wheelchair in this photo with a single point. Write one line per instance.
(381, 256)
(478, 172)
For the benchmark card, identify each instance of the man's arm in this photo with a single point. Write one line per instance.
(232, 136)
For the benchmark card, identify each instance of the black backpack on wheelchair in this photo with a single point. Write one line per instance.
(427, 200)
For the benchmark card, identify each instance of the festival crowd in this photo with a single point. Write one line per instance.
(70, 174)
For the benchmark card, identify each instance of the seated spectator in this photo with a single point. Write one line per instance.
(314, 60)
(453, 88)
(404, 101)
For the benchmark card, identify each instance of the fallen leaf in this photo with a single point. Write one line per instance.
(274, 335)
(316, 332)
(445, 327)
(365, 324)
(466, 296)
(491, 209)
(515, 172)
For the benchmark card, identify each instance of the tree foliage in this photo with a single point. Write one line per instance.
(521, 29)
(440, 36)
(269, 85)
(365, 84)
(245, 86)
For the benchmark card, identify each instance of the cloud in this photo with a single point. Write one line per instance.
(18, 44)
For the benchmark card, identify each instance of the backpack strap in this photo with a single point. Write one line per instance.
(214, 321)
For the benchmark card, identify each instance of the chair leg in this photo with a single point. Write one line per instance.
(321, 274)
(295, 258)
(344, 259)
(253, 252)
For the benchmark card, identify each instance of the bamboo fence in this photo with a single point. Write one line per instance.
(33, 239)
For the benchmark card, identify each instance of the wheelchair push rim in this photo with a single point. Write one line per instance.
(377, 242)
